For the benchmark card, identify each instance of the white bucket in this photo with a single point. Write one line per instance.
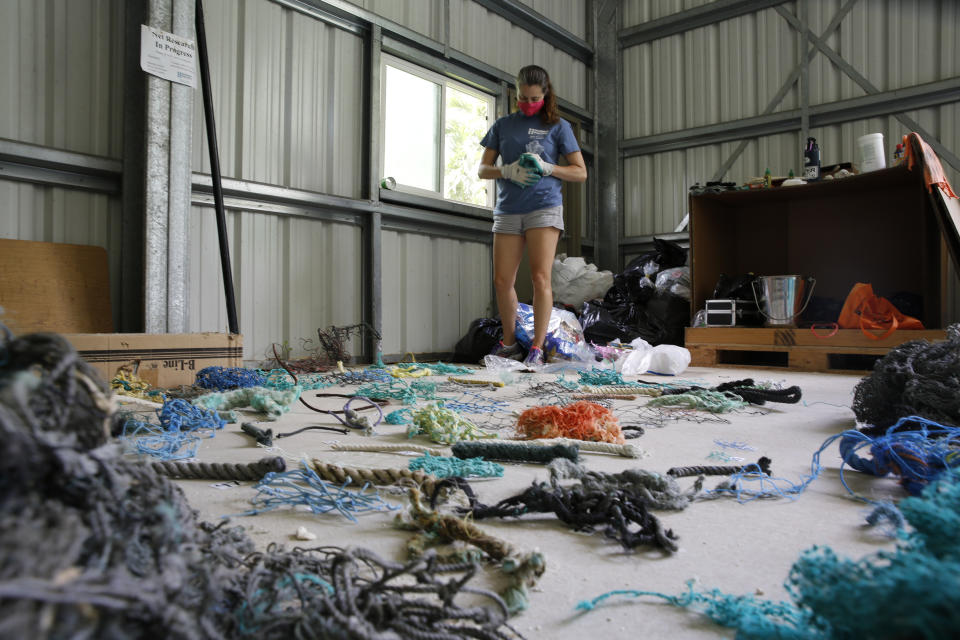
(871, 152)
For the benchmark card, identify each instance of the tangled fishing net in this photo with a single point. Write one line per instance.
(912, 591)
(917, 378)
(581, 420)
(99, 546)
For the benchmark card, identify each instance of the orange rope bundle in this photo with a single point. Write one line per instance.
(580, 420)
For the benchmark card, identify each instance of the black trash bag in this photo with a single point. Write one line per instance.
(602, 325)
(667, 316)
(907, 303)
(635, 284)
(665, 253)
(480, 339)
(822, 310)
(735, 287)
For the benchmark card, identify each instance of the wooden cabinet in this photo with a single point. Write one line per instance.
(884, 227)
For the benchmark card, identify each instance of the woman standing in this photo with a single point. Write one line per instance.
(529, 207)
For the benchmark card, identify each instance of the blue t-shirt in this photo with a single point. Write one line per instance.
(515, 134)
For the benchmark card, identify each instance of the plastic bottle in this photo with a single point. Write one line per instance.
(767, 178)
(811, 161)
(898, 154)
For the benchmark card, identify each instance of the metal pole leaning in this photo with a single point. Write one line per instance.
(232, 323)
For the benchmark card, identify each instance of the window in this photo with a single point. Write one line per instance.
(432, 127)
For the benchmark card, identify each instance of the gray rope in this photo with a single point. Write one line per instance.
(657, 490)
(763, 465)
(516, 452)
(253, 471)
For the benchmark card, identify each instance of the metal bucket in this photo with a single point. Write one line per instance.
(782, 299)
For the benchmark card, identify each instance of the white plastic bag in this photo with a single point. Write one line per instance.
(496, 363)
(574, 281)
(666, 359)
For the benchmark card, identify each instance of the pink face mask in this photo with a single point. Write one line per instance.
(530, 108)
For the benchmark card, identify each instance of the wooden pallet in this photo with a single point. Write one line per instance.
(791, 348)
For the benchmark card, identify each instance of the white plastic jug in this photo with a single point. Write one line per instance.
(871, 152)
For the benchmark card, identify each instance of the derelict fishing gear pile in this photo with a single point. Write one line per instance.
(917, 378)
(100, 546)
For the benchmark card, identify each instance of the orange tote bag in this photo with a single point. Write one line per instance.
(870, 313)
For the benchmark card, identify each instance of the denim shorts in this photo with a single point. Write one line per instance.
(517, 223)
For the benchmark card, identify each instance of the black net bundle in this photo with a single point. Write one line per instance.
(917, 378)
(96, 545)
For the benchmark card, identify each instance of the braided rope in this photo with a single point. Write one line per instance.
(341, 475)
(482, 383)
(387, 448)
(762, 465)
(522, 570)
(625, 450)
(603, 396)
(620, 389)
(515, 452)
(219, 470)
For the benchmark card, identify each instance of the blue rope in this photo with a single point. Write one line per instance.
(177, 436)
(224, 378)
(280, 380)
(913, 455)
(304, 487)
(400, 416)
(446, 467)
(918, 456)
(480, 404)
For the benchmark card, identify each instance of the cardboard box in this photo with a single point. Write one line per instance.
(164, 359)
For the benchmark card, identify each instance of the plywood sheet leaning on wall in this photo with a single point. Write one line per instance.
(49, 286)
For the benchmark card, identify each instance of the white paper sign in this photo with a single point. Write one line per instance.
(168, 56)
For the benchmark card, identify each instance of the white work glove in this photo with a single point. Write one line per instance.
(520, 176)
(533, 160)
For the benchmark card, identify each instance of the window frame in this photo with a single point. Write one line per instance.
(444, 82)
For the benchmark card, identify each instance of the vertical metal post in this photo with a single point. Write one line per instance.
(372, 230)
(134, 169)
(607, 95)
(232, 322)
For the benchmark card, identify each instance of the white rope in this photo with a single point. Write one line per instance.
(386, 448)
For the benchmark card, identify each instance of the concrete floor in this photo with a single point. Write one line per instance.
(738, 548)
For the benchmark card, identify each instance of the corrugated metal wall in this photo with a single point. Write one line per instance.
(292, 276)
(471, 26)
(287, 90)
(733, 69)
(433, 287)
(62, 74)
(61, 86)
(423, 16)
(286, 93)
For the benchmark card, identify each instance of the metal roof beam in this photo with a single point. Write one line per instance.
(540, 26)
(877, 104)
(691, 19)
